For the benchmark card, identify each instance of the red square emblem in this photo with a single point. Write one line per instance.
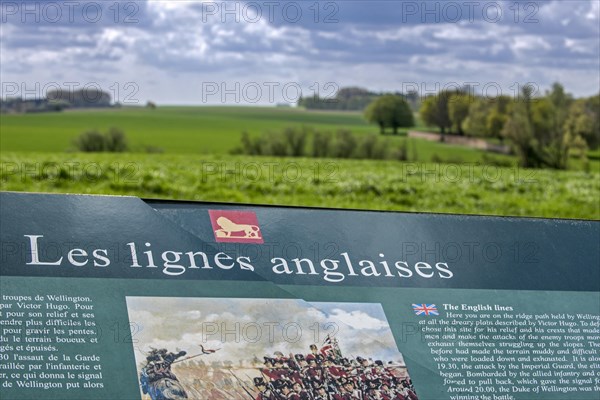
(235, 226)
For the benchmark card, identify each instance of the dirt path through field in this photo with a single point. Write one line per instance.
(473, 143)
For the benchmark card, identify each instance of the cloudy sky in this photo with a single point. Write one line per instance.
(265, 326)
(205, 52)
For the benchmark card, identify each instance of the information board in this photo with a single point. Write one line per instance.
(120, 298)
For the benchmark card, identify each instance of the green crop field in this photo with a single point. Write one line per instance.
(379, 185)
(197, 130)
(37, 154)
(211, 130)
(190, 130)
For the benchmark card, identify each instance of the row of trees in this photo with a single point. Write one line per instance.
(347, 99)
(352, 99)
(82, 98)
(543, 131)
(58, 100)
(308, 142)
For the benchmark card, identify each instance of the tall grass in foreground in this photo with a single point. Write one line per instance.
(464, 188)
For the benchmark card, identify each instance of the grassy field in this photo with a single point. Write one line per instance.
(215, 130)
(379, 185)
(190, 130)
(176, 130)
(37, 155)
(212, 130)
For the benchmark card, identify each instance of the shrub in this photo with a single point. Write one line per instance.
(296, 141)
(401, 154)
(274, 144)
(90, 141)
(381, 150)
(345, 144)
(374, 148)
(290, 142)
(321, 146)
(250, 146)
(367, 146)
(113, 141)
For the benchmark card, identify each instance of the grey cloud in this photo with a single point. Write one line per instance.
(173, 38)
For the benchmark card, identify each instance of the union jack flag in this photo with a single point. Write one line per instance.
(327, 347)
(331, 348)
(425, 309)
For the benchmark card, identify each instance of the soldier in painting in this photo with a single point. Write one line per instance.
(322, 393)
(352, 392)
(158, 380)
(265, 391)
(285, 390)
(313, 375)
(406, 392)
(314, 350)
(299, 393)
(326, 375)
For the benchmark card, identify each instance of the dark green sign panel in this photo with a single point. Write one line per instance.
(120, 298)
